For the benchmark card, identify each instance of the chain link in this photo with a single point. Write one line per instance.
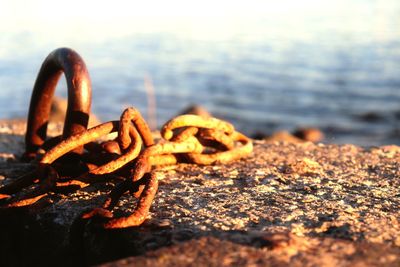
(66, 166)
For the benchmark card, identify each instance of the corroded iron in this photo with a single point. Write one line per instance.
(129, 157)
(67, 61)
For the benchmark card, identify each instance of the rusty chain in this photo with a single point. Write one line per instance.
(76, 159)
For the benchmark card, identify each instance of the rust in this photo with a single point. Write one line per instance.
(223, 157)
(67, 61)
(145, 195)
(131, 153)
(132, 115)
(168, 159)
(218, 139)
(71, 183)
(190, 145)
(47, 180)
(20, 183)
(4, 196)
(56, 152)
(185, 133)
(196, 121)
(141, 167)
(116, 194)
(111, 147)
(78, 140)
(25, 202)
(97, 212)
(127, 159)
(142, 209)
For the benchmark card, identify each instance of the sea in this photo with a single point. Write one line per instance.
(338, 72)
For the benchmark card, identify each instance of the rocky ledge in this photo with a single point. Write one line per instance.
(287, 204)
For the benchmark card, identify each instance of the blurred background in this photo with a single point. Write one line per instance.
(263, 65)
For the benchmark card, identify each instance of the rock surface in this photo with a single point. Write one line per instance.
(287, 204)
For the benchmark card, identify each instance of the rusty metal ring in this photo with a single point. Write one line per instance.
(184, 133)
(201, 140)
(129, 116)
(216, 139)
(196, 121)
(225, 156)
(142, 209)
(78, 140)
(130, 154)
(67, 61)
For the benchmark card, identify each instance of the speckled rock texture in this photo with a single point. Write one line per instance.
(287, 204)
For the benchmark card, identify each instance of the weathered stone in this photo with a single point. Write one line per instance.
(287, 204)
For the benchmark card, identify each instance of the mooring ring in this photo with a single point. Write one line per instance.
(67, 61)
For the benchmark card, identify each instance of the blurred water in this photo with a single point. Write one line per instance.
(345, 83)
